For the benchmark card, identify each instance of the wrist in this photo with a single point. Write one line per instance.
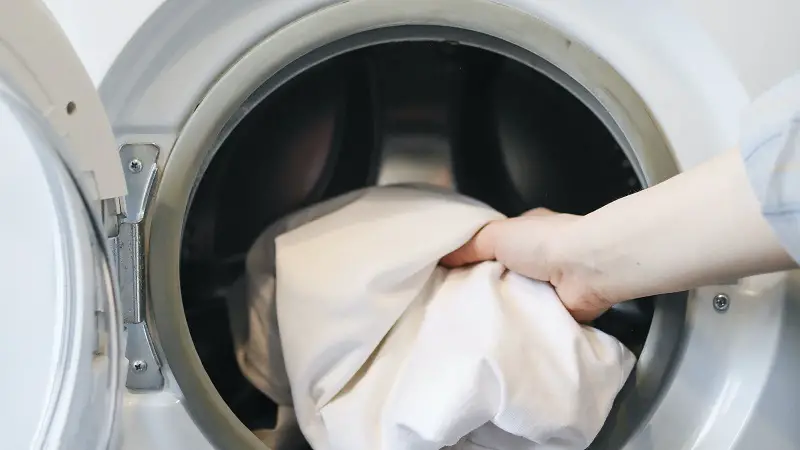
(618, 254)
(700, 227)
(579, 259)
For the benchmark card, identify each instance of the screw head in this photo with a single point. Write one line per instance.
(139, 366)
(721, 302)
(135, 166)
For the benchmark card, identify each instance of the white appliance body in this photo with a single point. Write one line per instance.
(182, 68)
(757, 37)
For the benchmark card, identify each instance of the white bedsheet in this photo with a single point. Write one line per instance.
(351, 322)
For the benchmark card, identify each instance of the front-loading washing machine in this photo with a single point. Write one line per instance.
(128, 212)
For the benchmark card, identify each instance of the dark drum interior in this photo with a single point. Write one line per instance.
(437, 112)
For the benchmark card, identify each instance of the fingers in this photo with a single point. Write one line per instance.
(480, 248)
(584, 305)
(586, 316)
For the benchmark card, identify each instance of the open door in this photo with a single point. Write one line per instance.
(62, 323)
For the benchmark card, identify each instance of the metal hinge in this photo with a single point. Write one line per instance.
(141, 170)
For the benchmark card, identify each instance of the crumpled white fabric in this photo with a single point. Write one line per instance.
(353, 323)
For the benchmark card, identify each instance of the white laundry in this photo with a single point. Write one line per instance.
(378, 348)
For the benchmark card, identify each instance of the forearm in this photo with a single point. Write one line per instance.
(700, 227)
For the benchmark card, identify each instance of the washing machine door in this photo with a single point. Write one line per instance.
(61, 329)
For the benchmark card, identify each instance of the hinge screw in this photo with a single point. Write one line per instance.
(721, 302)
(135, 165)
(139, 366)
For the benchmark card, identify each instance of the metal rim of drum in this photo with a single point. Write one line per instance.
(325, 34)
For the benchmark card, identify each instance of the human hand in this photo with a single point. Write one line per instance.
(534, 245)
(700, 227)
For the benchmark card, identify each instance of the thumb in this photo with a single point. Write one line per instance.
(480, 248)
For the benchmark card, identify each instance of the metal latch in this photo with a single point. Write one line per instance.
(141, 170)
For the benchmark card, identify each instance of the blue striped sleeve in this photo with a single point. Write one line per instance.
(770, 146)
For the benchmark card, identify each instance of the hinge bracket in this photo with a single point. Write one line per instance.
(141, 170)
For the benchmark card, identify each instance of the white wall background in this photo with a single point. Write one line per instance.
(757, 36)
(761, 38)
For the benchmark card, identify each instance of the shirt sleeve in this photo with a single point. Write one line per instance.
(770, 146)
